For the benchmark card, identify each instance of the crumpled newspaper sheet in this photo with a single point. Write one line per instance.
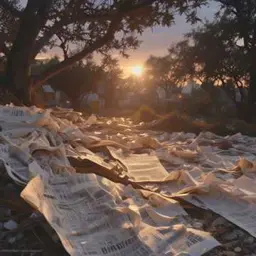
(61, 150)
(94, 216)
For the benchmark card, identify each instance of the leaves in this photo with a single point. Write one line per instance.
(81, 22)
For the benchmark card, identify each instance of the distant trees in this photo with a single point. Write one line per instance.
(83, 77)
(226, 49)
(241, 19)
(160, 71)
(78, 28)
(110, 79)
(210, 55)
(221, 53)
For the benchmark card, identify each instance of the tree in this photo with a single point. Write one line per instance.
(242, 15)
(110, 80)
(76, 80)
(79, 28)
(160, 73)
(223, 52)
(213, 54)
(83, 77)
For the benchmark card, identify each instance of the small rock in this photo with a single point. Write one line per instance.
(10, 225)
(228, 253)
(12, 240)
(235, 234)
(34, 215)
(219, 226)
(230, 245)
(249, 240)
(197, 225)
(237, 249)
(219, 222)
(224, 144)
(4, 212)
(16, 238)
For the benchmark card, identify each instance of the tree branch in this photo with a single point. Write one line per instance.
(88, 18)
(63, 46)
(52, 71)
(10, 8)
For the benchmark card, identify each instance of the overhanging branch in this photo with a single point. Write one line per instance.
(64, 47)
(66, 63)
(89, 18)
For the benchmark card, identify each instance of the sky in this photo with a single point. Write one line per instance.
(156, 41)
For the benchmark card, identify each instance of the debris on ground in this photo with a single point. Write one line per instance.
(106, 186)
(181, 122)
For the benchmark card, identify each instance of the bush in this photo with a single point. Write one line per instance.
(145, 114)
(182, 122)
(177, 122)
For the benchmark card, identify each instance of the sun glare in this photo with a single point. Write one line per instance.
(137, 70)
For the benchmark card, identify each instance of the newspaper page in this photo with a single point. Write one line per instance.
(181, 183)
(140, 167)
(232, 207)
(195, 243)
(15, 163)
(82, 158)
(247, 186)
(19, 114)
(31, 115)
(91, 218)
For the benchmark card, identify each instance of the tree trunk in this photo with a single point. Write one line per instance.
(17, 74)
(20, 56)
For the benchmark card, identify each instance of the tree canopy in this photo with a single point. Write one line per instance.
(78, 28)
(161, 73)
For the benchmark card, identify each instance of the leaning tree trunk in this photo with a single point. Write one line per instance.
(17, 74)
(21, 54)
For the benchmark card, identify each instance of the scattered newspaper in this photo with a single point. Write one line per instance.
(240, 211)
(140, 167)
(91, 218)
(52, 151)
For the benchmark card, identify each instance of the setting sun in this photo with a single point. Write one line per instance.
(137, 70)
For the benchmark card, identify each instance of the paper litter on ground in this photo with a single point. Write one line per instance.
(64, 162)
